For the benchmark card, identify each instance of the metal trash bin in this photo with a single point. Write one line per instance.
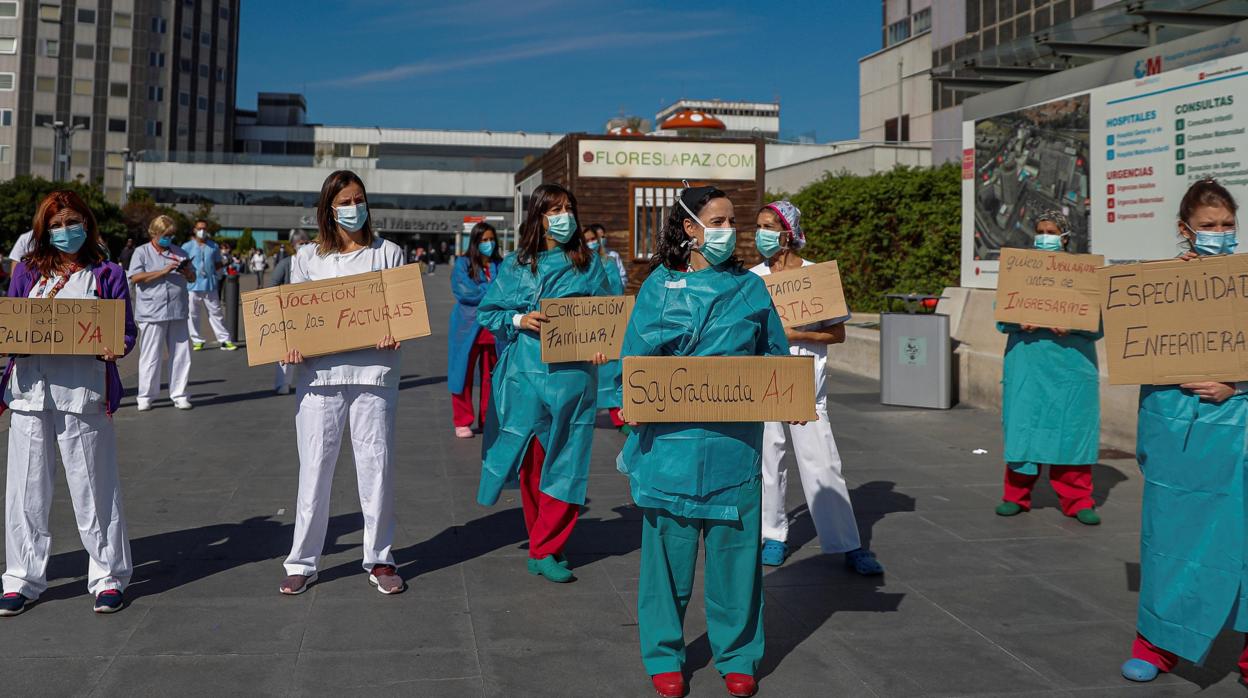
(231, 304)
(916, 367)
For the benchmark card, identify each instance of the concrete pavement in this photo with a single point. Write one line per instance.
(972, 604)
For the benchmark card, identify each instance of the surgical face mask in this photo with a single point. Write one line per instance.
(486, 248)
(562, 226)
(768, 242)
(351, 218)
(594, 245)
(1049, 242)
(1211, 242)
(200, 233)
(718, 243)
(165, 241)
(69, 239)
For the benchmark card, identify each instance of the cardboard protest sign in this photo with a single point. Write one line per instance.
(808, 295)
(1049, 289)
(59, 326)
(335, 315)
(1175, 322)
(583, 326)
(719, 388)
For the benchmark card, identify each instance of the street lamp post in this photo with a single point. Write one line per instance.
(61, 148)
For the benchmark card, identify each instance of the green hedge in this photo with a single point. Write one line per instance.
(894, 232)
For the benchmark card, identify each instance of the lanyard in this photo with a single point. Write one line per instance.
(64, 279)
(164, 254)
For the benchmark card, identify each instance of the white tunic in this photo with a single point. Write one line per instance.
(66, 383)
(163, 299)
(818, 350)
(363, 366)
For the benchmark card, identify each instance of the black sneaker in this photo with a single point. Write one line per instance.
(108, 601)
(12, 604)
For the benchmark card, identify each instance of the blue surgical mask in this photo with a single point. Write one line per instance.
(352, 218)
(561, 227)
(165, 241)
(1049, 242)
(718, 244)
(486, 248)
(69, 239)
(1209, 242)
(594, 245)
(768, 242)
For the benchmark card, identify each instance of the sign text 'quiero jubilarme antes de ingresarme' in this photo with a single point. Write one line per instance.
(1049, 289)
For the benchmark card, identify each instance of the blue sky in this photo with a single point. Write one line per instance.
(556, 65)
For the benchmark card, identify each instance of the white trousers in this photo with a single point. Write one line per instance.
(819, 464)
(321, 416)
(155, 338)
(215, 317)
(89, 451)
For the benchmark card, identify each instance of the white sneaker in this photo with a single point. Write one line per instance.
(144, 405)
(182, 403)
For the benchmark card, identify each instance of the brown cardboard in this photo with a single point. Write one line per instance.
(719, 389)
(62, 326)
(1175, 322)
(808, 295)
(1049, 289)
(582, 326)
(335, 315)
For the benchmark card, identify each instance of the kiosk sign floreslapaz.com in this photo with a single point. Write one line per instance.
(1116, 161)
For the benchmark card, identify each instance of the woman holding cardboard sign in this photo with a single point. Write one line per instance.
(471, 346)
(699, 482)
(778, 239)
(360, 387)
(540, 424)
(1191, 450)
(65, 402)
(1050, 404)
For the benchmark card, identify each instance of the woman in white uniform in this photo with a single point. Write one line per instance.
(779, 238)
(360, 387)
(160, 271)
(66, 403)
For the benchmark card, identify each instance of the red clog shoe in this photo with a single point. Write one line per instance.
(740, 685)
(669, 684)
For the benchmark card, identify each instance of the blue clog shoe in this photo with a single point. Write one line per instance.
(1139, 670)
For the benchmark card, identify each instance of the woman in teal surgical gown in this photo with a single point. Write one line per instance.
(699, 483)
(540, 422)
(1190, 445)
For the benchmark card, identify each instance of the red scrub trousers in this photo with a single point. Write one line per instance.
(1072, 483)
(549, 521)
(1166, 661)
(482, 353)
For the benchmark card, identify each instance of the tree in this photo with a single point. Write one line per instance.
(141, 209)
(245, 243)
(20, 198)
(891, 232)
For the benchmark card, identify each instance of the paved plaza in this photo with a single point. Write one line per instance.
(972, 604)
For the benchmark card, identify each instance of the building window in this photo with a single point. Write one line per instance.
(225, 13)
(121, 20)
(86, 16)
(8, 44)
(203, 103)
(156, 59)
(922, 20)
(50, 48)
(50, 13)
(220, 108)
(42, 120)
(898, 31)
(154, 128)
(184, 64)
(121, 54)
(203, 70)
(84, 51)
(650, 208)
(890, 129)
(43, 83)
(83, 87)
(4, 154)
(205, 38)
(220, 74)
(184, 99)
(6, 117)
(83, 121)
(155, 93)
(159, 25)
(119, 89)
(188, 33)
(8, 9)
(116, 125)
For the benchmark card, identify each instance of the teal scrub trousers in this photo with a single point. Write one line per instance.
(733, 586)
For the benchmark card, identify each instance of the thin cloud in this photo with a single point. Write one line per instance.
(537, 50)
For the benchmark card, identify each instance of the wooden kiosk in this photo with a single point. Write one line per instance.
(627, 184)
